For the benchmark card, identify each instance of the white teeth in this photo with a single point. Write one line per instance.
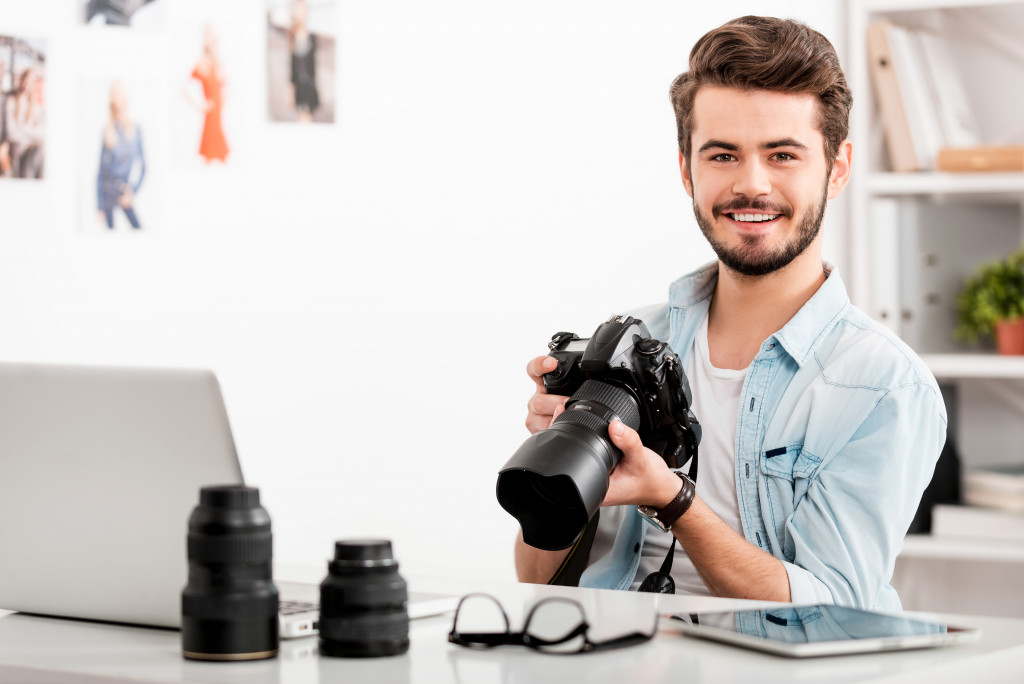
(754, 218)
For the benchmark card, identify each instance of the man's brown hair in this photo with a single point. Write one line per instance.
(767, 53)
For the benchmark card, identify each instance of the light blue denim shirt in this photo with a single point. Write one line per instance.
(839, 428)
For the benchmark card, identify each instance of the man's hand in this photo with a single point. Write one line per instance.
(727, 563)
(641, 476)
(542, 407)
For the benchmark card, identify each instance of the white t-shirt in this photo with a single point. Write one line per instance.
(716, 398)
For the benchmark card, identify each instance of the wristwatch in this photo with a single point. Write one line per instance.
(663, 518)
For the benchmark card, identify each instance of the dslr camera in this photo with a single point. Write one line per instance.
(555, 482)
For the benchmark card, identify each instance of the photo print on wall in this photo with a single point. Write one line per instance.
(211, 64)
(136, 13)
(118, 128)
(22, 107)
(206, 97)
(300, 60)
(122, 166)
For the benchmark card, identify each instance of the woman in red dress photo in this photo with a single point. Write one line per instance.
(209, 73)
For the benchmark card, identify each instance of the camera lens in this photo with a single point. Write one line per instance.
(229, 606)
(595, 404)
(557, 479)
(363, 602)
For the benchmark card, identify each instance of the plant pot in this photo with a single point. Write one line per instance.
(1010, 337)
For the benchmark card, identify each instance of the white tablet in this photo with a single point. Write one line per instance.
(820, 630)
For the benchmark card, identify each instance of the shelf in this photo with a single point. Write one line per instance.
(914, 235)
(982, 185)
(927, 5)
(962, 548)
(975, 365)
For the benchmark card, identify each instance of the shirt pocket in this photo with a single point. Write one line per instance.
(790, 463)
(787, 474)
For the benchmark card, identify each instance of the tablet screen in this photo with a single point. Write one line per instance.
(819, 630)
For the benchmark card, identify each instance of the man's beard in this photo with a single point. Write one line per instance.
(752, 258)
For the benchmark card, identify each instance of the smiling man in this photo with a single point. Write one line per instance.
(821, 429)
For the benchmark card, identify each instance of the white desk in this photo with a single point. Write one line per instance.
(35, 650)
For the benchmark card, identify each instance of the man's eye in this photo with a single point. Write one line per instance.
(784, 156)
(722, 157)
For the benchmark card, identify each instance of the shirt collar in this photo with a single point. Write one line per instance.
(692, 288)
(803, 331)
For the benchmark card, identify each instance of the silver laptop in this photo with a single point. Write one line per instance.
(100, 468)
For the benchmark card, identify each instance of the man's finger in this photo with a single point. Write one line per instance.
(536, 369)
(546, 404)
(542, 409)
(624, 437)
(535, 423)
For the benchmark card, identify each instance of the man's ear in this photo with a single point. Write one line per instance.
(840, 175)
(685, 173)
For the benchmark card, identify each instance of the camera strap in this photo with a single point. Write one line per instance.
(661, 582)
(692, 470)
(572, 567)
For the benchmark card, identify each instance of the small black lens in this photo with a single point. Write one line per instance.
(229, 606)
(363, 602)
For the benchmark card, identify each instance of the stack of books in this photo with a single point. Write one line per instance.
(994, 498)
(999, 487)
(926, 112)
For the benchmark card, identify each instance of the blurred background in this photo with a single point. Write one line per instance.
(367, 287)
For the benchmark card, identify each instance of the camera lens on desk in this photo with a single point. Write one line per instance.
(363, 602)
(229, 606)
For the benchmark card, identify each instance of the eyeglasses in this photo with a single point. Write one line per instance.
(553, 625)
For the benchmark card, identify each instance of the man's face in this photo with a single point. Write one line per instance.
(758, 176)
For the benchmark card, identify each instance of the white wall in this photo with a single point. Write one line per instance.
(369, 293)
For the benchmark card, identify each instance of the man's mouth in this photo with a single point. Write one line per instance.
(753, 218)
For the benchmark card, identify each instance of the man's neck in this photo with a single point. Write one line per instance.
(746, 310)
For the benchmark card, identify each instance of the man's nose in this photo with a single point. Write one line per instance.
(752, 179)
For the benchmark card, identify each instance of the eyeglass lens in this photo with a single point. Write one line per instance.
(480, 614)
(557, 625)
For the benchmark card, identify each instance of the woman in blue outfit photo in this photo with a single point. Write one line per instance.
(122, 164)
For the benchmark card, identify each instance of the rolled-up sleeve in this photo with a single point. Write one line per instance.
(805, 588)
(845, 533)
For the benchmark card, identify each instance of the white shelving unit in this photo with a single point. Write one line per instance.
(964, 366)
(913, 238)
(925, 546)
(1005, 187)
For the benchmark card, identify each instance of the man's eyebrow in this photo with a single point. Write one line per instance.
(784, 142)
(718, 144)
(770, 145)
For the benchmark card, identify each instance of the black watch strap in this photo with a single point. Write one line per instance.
(675, 508)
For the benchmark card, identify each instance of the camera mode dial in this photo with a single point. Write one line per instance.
(649, 346)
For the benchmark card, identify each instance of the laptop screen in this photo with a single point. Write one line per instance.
(101, 469)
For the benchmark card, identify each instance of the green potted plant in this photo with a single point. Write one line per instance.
(992, 303)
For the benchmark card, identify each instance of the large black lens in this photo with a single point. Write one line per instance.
(363, 602)
(229, 606)
(556, 480)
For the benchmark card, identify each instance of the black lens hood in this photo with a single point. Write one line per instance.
(555, 482)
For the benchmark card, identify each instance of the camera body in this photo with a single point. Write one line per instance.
(556, 481)
(622, 352)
